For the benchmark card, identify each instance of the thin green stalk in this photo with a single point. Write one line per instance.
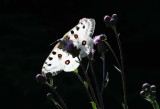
(56, 104)
(153, 102)
(61, 100)
(79, 77)
(95, 81)
(122, 66)
(104, 72)
(114, 54)
(89, 83)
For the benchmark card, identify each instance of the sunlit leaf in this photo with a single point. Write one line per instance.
(106, 80)
(93, 105)
(76, 71)
(124, 106)
(86, 84)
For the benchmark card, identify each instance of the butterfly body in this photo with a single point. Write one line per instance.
(80, 36)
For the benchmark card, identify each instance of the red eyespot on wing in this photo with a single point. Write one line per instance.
(83, 42)
(67, 62)
(59, 55)
(76, 36)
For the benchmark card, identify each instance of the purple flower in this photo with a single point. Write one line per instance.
(98, 40)
(69, 45)
(70, 48)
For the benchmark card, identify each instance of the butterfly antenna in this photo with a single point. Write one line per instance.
(55, 41)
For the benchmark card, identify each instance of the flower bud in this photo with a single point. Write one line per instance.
(146, 86)
(48, 75)
(147, 91)
(41, 79)
(153, 87)
(142, 93)
(153, 95)
(114, 17)
(107, 19)
(49, 96)
(99, 38)
(111, 21)
(153, 92)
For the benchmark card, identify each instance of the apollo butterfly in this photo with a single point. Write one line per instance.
(59, 59)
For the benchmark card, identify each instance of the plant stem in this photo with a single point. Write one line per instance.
(61, 100)
(79, 77)
(114, 54)
(89, 84)
(55, 103)
(122, 66)
(104, 72)
(95, 81)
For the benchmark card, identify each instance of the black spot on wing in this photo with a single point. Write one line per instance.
(72, 32)
(77, 28)
(53, 52)
(50, 58)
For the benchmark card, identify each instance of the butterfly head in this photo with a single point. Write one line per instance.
(68, 46)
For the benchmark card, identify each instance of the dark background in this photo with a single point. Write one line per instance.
(27, 28)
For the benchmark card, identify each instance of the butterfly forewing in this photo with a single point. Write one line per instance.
(52, 63)
(81, 36)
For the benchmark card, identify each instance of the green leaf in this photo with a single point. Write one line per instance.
(118, 34)
(51, 81)
(106, 80)
(93, 105)
(55, 87)
(153, 102)
(124, 106)
(76, 71)
(86, 84)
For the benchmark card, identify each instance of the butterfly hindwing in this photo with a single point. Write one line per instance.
(59, 60)
(69, 63)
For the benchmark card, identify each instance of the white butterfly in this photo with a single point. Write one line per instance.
(60, 59)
